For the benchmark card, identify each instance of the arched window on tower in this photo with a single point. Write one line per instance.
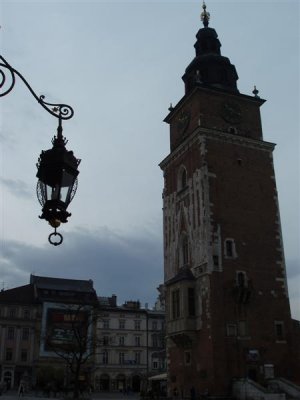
(184, 250)
(182, 178)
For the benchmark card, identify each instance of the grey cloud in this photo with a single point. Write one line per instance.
(17, 187)
(130, 267)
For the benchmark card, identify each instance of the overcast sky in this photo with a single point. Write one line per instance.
(119, 65)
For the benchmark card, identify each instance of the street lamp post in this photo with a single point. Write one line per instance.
(57, 167)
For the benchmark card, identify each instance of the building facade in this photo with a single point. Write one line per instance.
(124, 344)
(19, 335)
(130, 346)
(227, 307)
(34, 320)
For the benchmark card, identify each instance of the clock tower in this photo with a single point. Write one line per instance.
(228, 313)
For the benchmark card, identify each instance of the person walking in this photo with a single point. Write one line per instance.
(21, 390)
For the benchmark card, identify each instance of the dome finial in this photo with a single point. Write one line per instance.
(205, 16)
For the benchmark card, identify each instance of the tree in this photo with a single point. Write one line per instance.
(70, 335)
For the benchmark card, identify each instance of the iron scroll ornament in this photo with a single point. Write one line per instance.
(63, 161)
(7, 72)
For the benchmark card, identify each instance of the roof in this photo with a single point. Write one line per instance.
(77, 285)
(183, 274)
(22, 294)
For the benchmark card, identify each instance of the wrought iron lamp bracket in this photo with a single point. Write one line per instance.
(7, 82)
(61, 111)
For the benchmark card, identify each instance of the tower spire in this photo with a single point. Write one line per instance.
(205, 16)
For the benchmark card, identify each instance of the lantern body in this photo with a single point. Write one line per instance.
(57, 184)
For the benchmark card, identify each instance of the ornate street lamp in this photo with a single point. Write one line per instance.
(57, 167)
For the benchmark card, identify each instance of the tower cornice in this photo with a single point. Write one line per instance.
(185, 99)
(220, 136)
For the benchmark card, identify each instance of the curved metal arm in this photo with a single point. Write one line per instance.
(60, 111)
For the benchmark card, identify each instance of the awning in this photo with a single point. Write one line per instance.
(160, 377)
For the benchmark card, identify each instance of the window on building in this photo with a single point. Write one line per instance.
(231, 330)
(154, 325)
(105, 357)
(154, 340)
(175, 304)
(241, 279)
(26, 313)
(185, 250)
(105, 340)
(121, 358)
(10, 333)
(8, 354)
(183, 178)
(230, 248)
(154, 364)
(137, 340)
(12, 313)
(106, 324)
(121, 323)
(216, 260)
(121, 340)
(279, 330)
(25, 333)
(24, 355)
(242, 328)
(187, 358)
(191, 302)
(137, 325)
(137, 357)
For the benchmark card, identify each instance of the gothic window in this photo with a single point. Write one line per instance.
(175, 304)
(279, 330)
(184, 250)
(182, 178)
(229, 249)
(241, 279)
(187, 358)
(154, 325)
(191, 302)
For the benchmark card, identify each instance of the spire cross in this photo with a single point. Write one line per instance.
(205, 16)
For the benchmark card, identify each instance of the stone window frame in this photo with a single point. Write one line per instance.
(280, 334)
(182, 180)
(10, 333)
(229, 247)
(187, 357)
(175, 303)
